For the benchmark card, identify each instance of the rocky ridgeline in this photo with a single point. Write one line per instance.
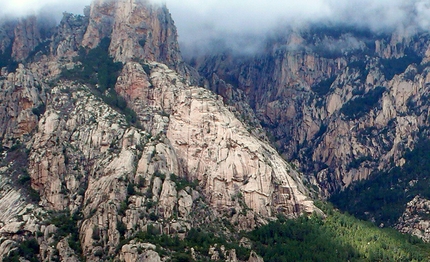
(341, 104)
(80, 180)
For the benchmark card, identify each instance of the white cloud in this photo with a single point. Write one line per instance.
(55, 8)
(243, 23)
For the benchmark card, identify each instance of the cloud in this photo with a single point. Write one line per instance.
(55, 8)
(239, 25)
(242, 25)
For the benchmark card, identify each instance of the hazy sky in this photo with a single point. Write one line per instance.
(237, 21)
(54, 7)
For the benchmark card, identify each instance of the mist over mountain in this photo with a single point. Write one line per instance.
(51, 8)
(243, 25)
(114, 148)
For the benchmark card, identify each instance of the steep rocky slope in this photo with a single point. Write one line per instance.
(94, 168)
(342, 102)
(415, 219)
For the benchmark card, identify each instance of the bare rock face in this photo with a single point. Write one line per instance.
(253, 257)
(26, 38)
(195, 160)
(78, 179)
(100, 22)
(190, 163)
(213, 146)
(22, 101)
(6, 35)
(85, 158)
(69, 35)
(65, 252)
(378, 138)
(139, 252)
(416, 219)
(305, 96)
(138, 30)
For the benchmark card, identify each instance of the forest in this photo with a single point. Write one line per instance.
(384, 196)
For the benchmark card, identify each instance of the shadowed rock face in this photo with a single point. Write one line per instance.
(340, 115)
(82, 181)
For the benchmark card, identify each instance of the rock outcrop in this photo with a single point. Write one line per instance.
(82, 178)
(138, 30)
(340, 113)
(84, 157)
(23, 98)
(215, 147)
(26, 38)
(416, 219)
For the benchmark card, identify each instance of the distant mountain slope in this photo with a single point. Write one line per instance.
(343, 102)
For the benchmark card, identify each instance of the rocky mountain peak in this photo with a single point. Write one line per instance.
(137, 29)
(26, 38)
(105, 140)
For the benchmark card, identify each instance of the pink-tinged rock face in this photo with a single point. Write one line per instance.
(27, 37)
(213, 146)
(20, 96)
(137, 30)
(189, 161)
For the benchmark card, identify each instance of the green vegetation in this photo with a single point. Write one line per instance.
(147, 69)
(336, 31)
(323, 87)
(24, 180)
(42, 47)
(7, 61)
(182, 183)
(394, 66)
(319, 34)
(339, 237)
(355, 163)
(67, 227)
(359, 106)
(383, 197)
(198, 239)
(28, 250)
(18, 155)
(39, 110)
(360, 65)
(97, 68)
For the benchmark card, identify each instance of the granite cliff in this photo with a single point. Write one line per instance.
(341, 102)
(346, 106)
(98, 156)
(110, 149)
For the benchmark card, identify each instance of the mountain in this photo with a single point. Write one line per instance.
(115, 147)
(106, 142)
(348, 106)
(321, 91)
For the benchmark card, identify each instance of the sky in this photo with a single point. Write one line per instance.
(54, 7)
(240, 23)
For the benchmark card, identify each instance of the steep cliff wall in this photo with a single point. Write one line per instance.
(343, 104)
(89, 167)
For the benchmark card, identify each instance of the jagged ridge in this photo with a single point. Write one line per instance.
(185, 162)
